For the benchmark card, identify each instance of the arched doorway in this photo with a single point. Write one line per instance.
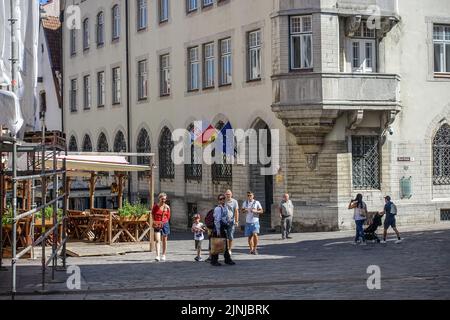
(262, 185)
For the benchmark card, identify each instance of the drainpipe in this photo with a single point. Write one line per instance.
(61, 50)
(127, 40)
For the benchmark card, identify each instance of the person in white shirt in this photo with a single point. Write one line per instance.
(198, 228)
(253, 209)
(221, 220)
(233, 210)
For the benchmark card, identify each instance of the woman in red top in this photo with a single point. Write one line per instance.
(161, 217)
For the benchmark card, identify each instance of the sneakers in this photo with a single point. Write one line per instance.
(163, 258)
(363, 243)
(399, 241)
(158, 258)
(230, 263)
(198, 259)
(216, 264)
(383, 241)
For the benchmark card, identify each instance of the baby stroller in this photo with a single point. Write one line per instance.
(370, 232)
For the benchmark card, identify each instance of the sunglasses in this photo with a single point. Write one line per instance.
(221, 199)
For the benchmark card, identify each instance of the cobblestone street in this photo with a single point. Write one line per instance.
(310, 266)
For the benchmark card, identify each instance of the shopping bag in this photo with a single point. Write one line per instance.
(218, 245)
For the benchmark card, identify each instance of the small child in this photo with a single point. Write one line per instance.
(198, 228)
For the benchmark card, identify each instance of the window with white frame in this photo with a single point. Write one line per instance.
(362, 50)
(87, 92)
(208, 65)
(142, 14)
(116, 85)
(194, 69)
(73, 42)
(165, 75)
(441, 42)
(254, 55)
(226, 62)
(73, 95)
(208, 3)
(163, 10)
(142, 80)
(86, 35)
(192, 5)
(301, 42)
(116, 22)
(101, 89)
(100, 28)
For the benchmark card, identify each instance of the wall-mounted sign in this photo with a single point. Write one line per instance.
(405, 159)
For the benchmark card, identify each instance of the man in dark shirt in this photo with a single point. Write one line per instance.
(389, 221)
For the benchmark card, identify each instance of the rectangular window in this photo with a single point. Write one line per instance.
(73, 95)
(142, 80)
(192, 5)
(301, 42)
(87, 92)
(441, 40)
(73, 42)
(101, 89)
(116, 85)
(207, 3)
(86, 34)
(100, 29)
(226, 62)
(366, 162)
(163, 10)
(116, 22)
(142, 14)
(165, 75)
(208, 65)
(362, 51)
(194, 69)
(254, 55)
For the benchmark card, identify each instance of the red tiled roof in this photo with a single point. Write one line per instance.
(52, 30)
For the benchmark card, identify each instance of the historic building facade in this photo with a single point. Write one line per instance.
(358, 91)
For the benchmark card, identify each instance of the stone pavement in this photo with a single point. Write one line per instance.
(309, 266)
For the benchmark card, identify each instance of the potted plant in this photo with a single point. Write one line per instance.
(136, 212)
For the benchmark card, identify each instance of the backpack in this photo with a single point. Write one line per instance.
(209, 219)
(393, 209)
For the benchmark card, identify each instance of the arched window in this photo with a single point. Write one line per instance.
(193, 169)
(119, 143)
(166, 165)
(100, 28)
(87, 144)
(86, 34)
(73, 146)
(143, 146)
(102, 143)
(221, 172)
(441, 154)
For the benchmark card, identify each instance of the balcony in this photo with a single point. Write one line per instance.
(310, 103)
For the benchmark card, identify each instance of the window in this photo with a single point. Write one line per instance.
(221, 172)
(100, 29)
(87, 92)
(363, 50)
(116, 86)
(142, 14)
(192, 5)
(143, 146)
(163, 10)
(441, 156)
(87, 144)
(166, 165)
(193, 170)
(101, 89)
(119, 143)
(142, 80)
(254, 55)
(116, 22)
(165, 75)
(73, 95)
(73, 146)
(226, 64)
(194, 69)
(366, 162)
(207, 3)
(441, 41)
(301, 42)
(73, 42)
(102, 143)
(86, 35)
(208, 65)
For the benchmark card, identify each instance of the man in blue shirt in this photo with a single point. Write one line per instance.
(390, 210)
